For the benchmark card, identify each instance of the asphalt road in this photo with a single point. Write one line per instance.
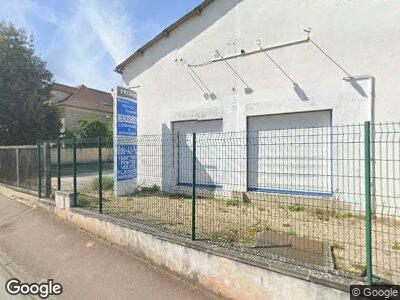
(87, 267)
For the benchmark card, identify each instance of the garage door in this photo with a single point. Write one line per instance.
(208, 152)
(290, 153)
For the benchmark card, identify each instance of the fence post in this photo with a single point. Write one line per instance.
(58, 164)
(100, 166)
(38, 168)
(47, 169)
(177, 160)
(17, 166)
(194, 187)
(74, 170)
(368, 219)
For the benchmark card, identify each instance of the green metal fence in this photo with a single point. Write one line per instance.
(325, 198)
(93, 158)
(18, 166)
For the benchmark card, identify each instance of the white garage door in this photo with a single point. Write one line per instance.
(208, 152)
(290, 153)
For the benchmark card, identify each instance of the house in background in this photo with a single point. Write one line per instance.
(81, 102)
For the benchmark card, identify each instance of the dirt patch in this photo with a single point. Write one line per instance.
(293, 247)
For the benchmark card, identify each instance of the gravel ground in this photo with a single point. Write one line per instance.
(238, 223)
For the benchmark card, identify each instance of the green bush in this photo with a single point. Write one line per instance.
(69, 135)
(110, 130)
(92, 129)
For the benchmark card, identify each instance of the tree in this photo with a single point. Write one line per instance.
(110, 130)
(92, 129)
(25, 84)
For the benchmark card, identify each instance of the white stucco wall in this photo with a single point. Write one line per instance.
(361, 36)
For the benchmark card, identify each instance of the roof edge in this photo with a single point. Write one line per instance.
(85, 108)
(62, 87)
(164, 33)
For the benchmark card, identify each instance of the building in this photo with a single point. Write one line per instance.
(250, 65)
(81, 102)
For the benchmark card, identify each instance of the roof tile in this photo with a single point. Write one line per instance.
(84, 97)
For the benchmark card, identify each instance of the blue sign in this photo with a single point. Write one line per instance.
(126, 117)
(125, 142)
(126, 162)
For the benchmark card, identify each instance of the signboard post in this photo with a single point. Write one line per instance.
(125, 141)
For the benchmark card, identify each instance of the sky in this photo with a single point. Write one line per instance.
(82, 41)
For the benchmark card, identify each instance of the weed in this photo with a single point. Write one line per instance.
(344, 215)
(296, 207)
(254, 230)
(216, 237)
(177, 195)
(291, 232)
(84, 202)
(108, 184)
(324, 214)
(229, 235)
(232, 202)
(182, 196)
(337, 245)
(355, 269)
(95, 184)
(149, 189)
(396, 246)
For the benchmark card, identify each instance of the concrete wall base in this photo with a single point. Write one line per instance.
(228, 277)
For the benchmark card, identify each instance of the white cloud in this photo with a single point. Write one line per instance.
(111, 24)
(19, 11)
(91, 37)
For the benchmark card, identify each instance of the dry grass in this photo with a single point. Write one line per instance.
(239, 223)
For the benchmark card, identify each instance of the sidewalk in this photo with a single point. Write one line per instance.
(4, 276)
(88, 268)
